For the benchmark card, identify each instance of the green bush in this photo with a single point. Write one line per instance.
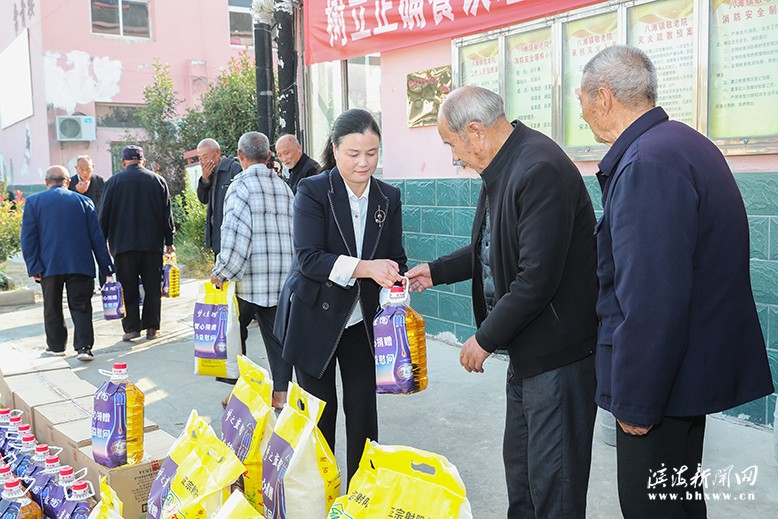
(10, 226)
(189, 215)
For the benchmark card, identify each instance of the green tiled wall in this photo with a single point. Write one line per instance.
(438, 216)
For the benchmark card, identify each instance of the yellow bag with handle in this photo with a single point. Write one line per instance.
(237, 506)
(300, 478)
(247, 423)
(397, 481)
(110, 506)
(216, 331)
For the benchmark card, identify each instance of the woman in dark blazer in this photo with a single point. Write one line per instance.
(348, 244)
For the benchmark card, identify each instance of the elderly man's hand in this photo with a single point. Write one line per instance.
(216, 282)
(472, 356)
(635, 430)
(420, 278)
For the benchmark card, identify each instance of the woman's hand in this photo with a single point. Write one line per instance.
(383, 271)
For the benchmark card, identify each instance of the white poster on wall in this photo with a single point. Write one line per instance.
(16, 91)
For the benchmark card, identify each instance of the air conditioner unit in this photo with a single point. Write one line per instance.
(75, 128)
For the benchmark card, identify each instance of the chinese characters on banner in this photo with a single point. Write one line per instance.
(529, 70)
(426, 91)
(665, 31)
(743, 77)
(341, 29)
(479, 65)
(582, 40)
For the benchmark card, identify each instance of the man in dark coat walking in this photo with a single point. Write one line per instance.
(137, 220)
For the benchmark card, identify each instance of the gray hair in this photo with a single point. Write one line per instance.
(209, 144)
(86, 158)
(627, 71)
(471, 104)
(255, 146)
(57, 175)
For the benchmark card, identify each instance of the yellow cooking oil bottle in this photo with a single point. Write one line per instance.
(117, 422)
(171, 277)
(400, 344)
(17, 504)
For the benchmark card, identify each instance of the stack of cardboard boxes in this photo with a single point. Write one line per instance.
(58, 406)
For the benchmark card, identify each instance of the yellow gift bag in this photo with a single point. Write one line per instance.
(247, 424)
(193, 480)
(300, 479)
(110, 506)
(397, 481)
(216, 331)
(237, 506)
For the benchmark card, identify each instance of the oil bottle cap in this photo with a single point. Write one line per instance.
(28, 438)
(52, 460)
(41, 448)
(23, 428)
(120, 365)
(396, 289)
(15, 419)
(5, 411)
(79, 486)
(67, 470)
(12, 484)
(5, 469)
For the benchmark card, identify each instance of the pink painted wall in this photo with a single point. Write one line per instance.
(412, 152)
(73, 69)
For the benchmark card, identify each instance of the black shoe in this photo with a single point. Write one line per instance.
(129, 336)
(85, 355)
(231, 381)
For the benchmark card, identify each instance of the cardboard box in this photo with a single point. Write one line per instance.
(49, 415)
(18, 360)
(72, 436)
(131, 483)
(46, 387)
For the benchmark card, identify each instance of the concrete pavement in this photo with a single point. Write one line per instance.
(460, 415)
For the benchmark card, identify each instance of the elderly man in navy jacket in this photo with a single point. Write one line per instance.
(679, 336)
(56, 259)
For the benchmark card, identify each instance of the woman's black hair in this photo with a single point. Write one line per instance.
(351, 121)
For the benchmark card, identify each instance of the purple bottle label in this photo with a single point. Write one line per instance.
(113, 302)
(394, 369)
(210, 331)
(53, 500)
(238, 428)
(109, 425)
(275, 463)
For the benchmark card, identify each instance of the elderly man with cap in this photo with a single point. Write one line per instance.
(58, 259)
(137, 221)
(300, 165)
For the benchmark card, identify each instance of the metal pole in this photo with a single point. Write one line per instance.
(265, 81)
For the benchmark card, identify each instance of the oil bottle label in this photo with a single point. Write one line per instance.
(210, 331)
(109, 425)
(394, 369)
(113, 300)
(238, 428)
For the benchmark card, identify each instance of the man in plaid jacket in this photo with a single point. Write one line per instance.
(257, 250)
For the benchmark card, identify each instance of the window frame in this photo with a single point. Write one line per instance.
(121, 34)
(237, 9)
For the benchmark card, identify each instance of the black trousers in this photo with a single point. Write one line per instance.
(663, 461)
(79, 291)
(148, 265)
(357, 372)
(280, 369)
(547, 445)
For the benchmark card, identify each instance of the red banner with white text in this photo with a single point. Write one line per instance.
(341, 29)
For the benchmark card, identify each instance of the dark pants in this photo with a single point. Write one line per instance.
(280, 369)
(547, 446)
(357, 372)
(79, 290)
(669, 449)
(147, 265)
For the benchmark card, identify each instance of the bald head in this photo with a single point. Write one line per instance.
(289, 150)
(56, 176)
(209, 144)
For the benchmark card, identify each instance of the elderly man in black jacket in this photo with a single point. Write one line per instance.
(218, 173)
(290, 152)
(137, 221)
(532, 262)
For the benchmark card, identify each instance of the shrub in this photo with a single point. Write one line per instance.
(189, 215)
(10, 226)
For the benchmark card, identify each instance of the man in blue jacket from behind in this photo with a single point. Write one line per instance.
(60, 234)
(679, 336)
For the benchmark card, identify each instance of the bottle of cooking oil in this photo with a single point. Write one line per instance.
(9, 431)
(42, 477)
(117, 422)
(417, 342)
(80, 499)
(20, 506)
(24, 455)
(171, 277)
